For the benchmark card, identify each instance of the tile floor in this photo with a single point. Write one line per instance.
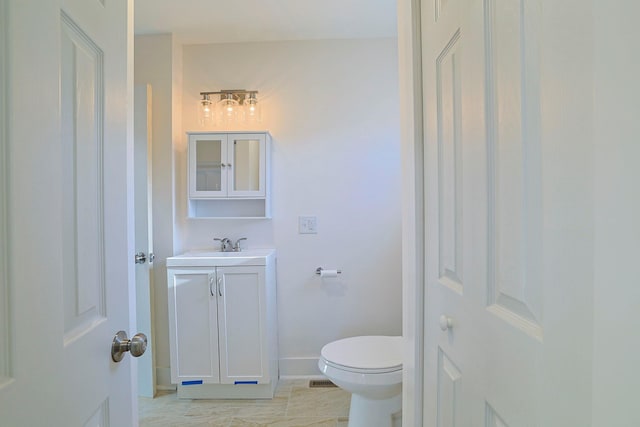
(294, 405)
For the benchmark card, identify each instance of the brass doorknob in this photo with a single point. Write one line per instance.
(121, 344)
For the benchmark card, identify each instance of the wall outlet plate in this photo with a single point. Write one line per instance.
(307, 225)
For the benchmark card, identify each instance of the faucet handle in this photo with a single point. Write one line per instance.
(237, 247)
(223, 243)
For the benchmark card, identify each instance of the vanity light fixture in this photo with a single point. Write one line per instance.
(235, 106)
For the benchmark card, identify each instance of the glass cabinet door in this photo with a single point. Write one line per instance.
(227, 165)
(247, 156)
(208, 166)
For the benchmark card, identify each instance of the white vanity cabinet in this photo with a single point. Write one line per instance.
(228, 174)
(222, 318)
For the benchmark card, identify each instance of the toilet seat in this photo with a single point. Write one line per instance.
(364, 354)
(360, 370)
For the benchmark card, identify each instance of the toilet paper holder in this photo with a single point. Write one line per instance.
(319, 271)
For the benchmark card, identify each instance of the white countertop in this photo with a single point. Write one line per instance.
(211, 258)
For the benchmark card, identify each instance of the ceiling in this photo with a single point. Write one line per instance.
(228, 21)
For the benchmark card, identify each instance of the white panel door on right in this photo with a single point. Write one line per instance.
(241, 325)
(490, 342)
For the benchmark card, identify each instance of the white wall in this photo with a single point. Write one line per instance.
(332, 109)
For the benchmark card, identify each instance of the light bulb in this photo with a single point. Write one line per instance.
(252, 109)
(205, 112)
(228, 108)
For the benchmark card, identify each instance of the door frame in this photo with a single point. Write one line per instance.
(5, 359)
(413, 242)
(143, 115)
(131, 236)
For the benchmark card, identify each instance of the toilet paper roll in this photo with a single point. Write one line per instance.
(329, 273)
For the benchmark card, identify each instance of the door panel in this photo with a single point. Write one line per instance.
(449, 390)
(450, 166)
(82, 89)
(242, 314)
(493, 419)
(69, 253)
(194, 325)
(514, 163)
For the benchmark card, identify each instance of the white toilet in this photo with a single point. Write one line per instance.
(370, 368)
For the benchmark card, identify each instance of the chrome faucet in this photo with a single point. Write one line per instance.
(237, 247)
(226, 245)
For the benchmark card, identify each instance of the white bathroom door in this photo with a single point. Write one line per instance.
(502, 346)
(69, 275)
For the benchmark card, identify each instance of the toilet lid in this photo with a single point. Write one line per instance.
(369, 352)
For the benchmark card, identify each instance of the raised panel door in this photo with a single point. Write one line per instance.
(506, 219)
(483, 215)
(242, 325)
(193, 326)
(67, 198)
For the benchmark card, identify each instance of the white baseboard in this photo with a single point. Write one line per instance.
(163, 378)
(170, 387)
(299, 367)
(303, 377)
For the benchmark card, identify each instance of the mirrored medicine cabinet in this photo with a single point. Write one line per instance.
(229, 174)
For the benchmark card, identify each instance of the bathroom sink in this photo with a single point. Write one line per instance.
(206, 258)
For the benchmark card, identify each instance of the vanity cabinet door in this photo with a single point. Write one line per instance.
(242, 320)
(193, 325)
(247, 165)
(208, 165)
